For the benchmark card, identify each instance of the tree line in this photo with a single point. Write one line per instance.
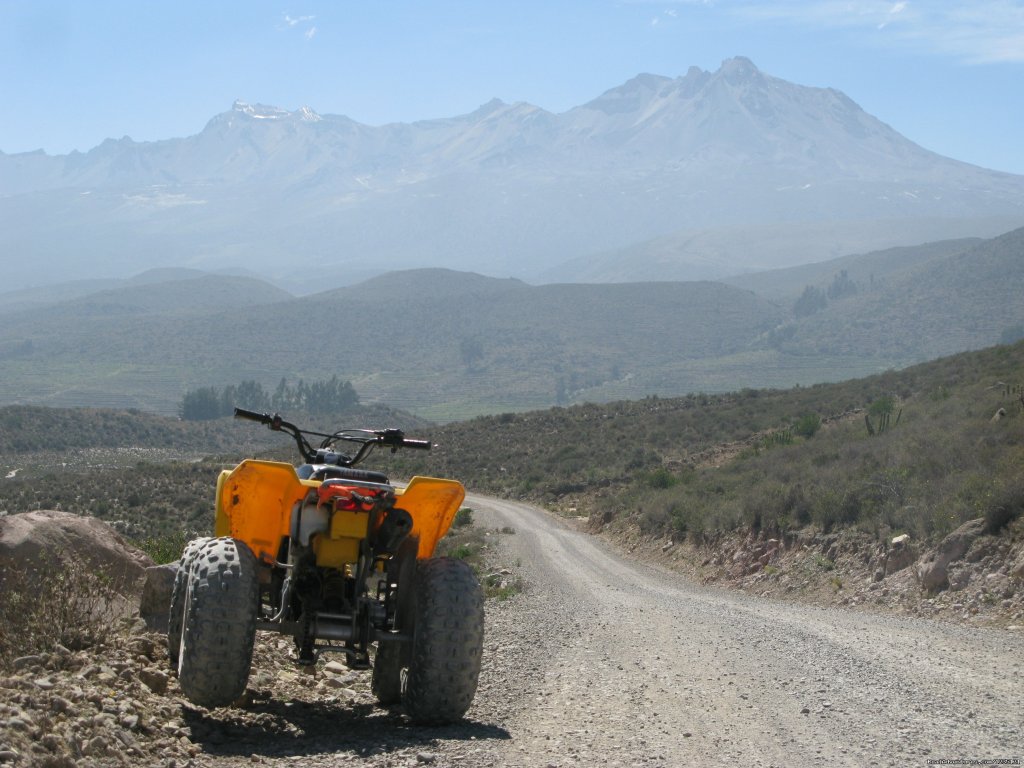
(330, 396)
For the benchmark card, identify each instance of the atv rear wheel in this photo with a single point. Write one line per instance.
(447, 642)
(177, 613)
(392, 657)
(222, 600)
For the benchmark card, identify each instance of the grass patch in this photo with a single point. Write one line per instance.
(479, 547)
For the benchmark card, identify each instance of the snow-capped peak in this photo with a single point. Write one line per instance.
(259, 111)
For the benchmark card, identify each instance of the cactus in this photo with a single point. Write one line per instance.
(885, 421)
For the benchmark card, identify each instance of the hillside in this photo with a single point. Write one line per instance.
(710, 254)
(962, 297)
(773, 460)
(449, 345)
(834, 471)
(785, 285)
(316, 201)
(435, 342)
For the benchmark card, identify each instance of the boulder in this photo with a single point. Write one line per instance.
(933, 569)
(46, 539)
(901, 554)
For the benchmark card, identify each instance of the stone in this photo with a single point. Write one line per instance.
(155, 603)
(933, 569)
(155, 680)
(898, 559)
(1017, 569)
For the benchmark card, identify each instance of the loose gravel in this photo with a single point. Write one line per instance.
(601, 660)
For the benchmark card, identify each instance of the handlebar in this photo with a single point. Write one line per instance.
(263, 418)
(367, 438)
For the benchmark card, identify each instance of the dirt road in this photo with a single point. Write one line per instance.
(604, 661)
(600, 661)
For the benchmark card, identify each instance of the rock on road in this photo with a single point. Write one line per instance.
(606, 661)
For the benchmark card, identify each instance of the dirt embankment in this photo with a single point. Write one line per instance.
(971, 577)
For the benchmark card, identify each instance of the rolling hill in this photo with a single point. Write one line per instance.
(920, 304)
(430, 339)
(449, 345)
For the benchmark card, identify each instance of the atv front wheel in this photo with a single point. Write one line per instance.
(447, 642)
(386, 681)
(222, 600)
(177, 613)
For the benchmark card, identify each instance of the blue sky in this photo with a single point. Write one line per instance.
(948, 75)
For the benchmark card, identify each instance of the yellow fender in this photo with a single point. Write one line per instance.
(432, 502)
(254, 504)
(255, 500)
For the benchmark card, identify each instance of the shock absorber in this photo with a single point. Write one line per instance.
(333, 589)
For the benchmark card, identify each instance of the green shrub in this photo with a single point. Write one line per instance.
(462, 552)
(807, 425)
(660, 478)
(1005, 505)
(166, 548)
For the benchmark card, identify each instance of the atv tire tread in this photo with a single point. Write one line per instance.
(386, 681)
(176, 616)
(219, 628)
(447, 643)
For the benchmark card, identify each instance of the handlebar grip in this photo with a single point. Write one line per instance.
(263, 418)
(423, 445)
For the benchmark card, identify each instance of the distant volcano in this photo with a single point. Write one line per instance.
(509, 189)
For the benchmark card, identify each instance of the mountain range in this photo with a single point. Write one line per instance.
(658, 178)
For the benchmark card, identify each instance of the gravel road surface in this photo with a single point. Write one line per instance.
(607, 661)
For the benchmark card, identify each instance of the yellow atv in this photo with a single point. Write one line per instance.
(340, 559)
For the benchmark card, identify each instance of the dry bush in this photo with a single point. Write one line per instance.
(57, 602)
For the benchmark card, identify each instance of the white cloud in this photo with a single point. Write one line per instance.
(292, 21)
(896, 9)
(982, 31)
